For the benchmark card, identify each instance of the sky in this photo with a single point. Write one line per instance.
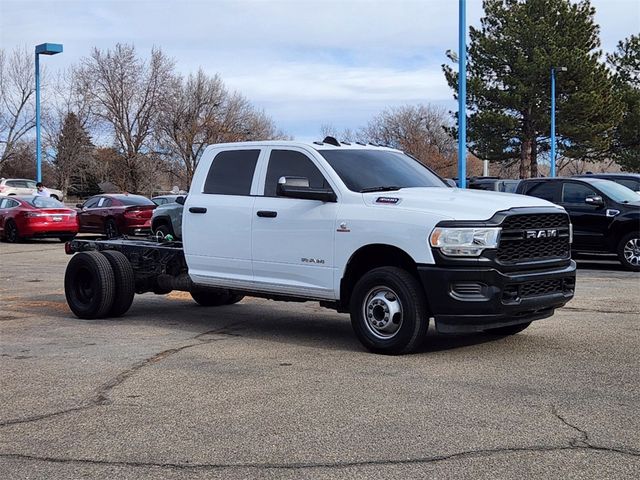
(307, 63)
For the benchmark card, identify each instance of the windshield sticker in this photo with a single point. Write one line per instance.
(388, 200)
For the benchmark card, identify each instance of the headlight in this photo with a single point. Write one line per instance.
(464, 242)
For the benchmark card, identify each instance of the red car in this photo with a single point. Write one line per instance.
(33, 216)
(116, 214)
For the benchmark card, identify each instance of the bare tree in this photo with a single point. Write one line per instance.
(17, 111)
(418, 130)
(200, 111)
(127, 92)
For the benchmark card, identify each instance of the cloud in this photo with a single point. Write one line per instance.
(306, 62)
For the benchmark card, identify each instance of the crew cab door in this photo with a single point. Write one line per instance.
(293, 238)
(216, 222)
(590, 222)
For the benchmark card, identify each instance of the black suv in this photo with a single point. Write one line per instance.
(605, 215)
(493, 184)
(629, 180)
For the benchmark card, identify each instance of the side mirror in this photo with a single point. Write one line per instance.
(180, 200)
(79, 205)
(595, 200)
(298, 187)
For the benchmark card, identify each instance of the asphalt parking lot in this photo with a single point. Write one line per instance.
(275, 390)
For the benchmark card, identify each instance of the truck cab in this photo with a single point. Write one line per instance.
(311, 220)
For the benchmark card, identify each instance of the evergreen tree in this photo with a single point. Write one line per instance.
(509, 64)
(626, 139)
(73, 159)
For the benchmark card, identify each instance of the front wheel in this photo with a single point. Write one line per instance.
(11, 233)
(389, 311)
(629, 251)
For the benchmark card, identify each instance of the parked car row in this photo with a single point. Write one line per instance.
(111, 215)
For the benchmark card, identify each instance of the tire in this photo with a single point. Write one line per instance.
(211, 298)
(629, 251)
(234, 299)
(11, 233)
(125, 283)
(510, 330)
(111, 229)
(389, 311)
(89, 285)
(164, 229)
(66, 238)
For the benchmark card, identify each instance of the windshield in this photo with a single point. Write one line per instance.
(46, 202)
(616, 192)
(134, 200)
(379, 170)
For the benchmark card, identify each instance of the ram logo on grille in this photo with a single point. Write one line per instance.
(551, 233)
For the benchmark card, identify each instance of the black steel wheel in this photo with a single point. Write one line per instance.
(11, 234)
(389, 311)
(125, 282)
(629, 251)
(509, 330)
(89, 285)
(111, 229)
(211, 297)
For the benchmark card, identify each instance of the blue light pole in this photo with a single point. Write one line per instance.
(553, 118)
(42, 49)
(462, 95)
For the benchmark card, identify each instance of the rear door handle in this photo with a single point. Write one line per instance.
(267, 214)
(197, 210)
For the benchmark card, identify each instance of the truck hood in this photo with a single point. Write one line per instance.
(454, 203)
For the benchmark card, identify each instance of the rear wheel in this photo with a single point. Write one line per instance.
(629, 251)
(510, 330)
(164, 229)
(11, 233)
(111, 229)
(125, 282)
(89, 285)
(214, 298)
(389, 311)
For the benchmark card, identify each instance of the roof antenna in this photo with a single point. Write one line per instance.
(331, 141)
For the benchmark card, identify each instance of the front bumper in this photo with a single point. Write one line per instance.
(477, 299)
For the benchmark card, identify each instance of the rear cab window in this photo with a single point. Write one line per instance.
(231, 172)
(544, 190)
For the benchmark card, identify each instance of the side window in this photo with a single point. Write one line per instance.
(101, 202)
(12, 183)
(11, 203)
(543, 190)
(3, 203)
(160, 201)
(107, 203)
(92, 202)
(231, 172)
(288, 163)
(576, 193)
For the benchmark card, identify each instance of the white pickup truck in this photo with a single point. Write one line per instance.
(361, 228)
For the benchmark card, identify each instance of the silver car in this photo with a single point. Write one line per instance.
(167, 217)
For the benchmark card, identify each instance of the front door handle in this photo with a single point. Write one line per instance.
(267, 214)
(197, 210)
